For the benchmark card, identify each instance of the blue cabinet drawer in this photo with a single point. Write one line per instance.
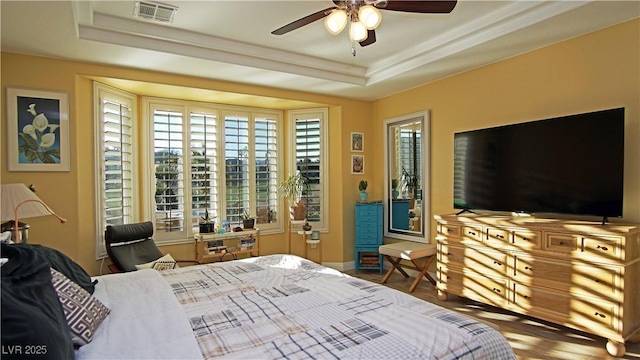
(367, 212)
(367, 241)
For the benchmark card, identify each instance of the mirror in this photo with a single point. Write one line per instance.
(406, 158)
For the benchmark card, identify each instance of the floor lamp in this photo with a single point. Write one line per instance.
(19, 202)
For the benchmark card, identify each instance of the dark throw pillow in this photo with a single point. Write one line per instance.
(63, 264)
(33, 321)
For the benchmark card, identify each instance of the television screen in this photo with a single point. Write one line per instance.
(569, 165)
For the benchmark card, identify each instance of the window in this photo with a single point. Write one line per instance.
(409, 141)
(201, 159)
(309, 129)
(212, 161)
(116, 197)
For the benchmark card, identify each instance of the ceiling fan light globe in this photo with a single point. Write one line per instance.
(357, 31)
(336, 21)
(370, 17)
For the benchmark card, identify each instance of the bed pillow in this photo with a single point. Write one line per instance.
(83, 312)
(32, 316)
(62, 263)
(164, 263)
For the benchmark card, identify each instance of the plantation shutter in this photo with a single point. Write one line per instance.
(204, 167)
(169, 171)
(266, 164)
(307, 152)
(236, 152)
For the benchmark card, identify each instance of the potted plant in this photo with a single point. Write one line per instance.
(248, 221)
(394, 188)
(292, 188)
(411, 182)
(206, 224)
(362, 186)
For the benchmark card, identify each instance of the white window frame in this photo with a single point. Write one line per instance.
(323, 115)
(100, 92)
(186, 107)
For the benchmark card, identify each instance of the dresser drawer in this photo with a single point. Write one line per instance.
(527, 240)
(477, 287)
(561, 243)
(449, 229)
(602, 248)
(588, 313)
(473, 233)
(498, 237)
(585, 279)
(492, 263)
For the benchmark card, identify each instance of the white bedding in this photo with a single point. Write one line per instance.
(146, 320)
(277, 306)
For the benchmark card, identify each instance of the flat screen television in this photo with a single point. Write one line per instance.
(566, 165)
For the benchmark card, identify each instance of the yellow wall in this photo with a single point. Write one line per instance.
(71, 194)
(596, 71)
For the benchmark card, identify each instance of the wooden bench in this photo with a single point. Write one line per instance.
(413, 251)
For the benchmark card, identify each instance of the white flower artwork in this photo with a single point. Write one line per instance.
(38, 130)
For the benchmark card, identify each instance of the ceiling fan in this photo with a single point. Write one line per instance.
(364, 16)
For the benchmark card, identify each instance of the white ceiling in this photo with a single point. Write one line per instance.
(232, 40)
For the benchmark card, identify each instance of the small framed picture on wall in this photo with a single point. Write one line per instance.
(357, 164)
(357, 141)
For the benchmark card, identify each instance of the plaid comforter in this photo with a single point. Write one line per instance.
(283, 306)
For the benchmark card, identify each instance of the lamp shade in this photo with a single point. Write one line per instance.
(357, 31)
(15, 194)
(20, 202)
(370, 17)
(336, 21)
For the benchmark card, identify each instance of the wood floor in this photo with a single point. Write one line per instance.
(529, 337)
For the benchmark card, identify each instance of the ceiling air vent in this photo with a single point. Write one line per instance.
(154, 11)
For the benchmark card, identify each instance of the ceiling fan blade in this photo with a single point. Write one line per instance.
(303, 21)
(371, 38)
(434, 6)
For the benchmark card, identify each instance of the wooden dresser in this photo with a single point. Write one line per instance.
(583, 275)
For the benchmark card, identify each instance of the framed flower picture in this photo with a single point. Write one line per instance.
(357, 141)
(37, 130)
(357, 164)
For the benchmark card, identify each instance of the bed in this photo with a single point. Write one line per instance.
(277, 306)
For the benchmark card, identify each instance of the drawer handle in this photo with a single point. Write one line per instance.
(496, 290)
(472, 233)
(528, 268)
(497, 263)
(499, 236)
(596, 280)
(525, 239)
(599, 314)
(526, 296)
(561, 243)
(603, 248)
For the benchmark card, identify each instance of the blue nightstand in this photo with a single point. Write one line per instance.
(368, 236)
